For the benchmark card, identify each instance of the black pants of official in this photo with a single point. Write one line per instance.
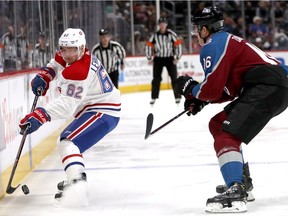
(9, 65)
(114, 76)
(158, 64)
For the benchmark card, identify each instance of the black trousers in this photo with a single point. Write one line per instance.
(114, 76)
(158, 64)
(9, 65)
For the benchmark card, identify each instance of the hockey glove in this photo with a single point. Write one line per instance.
(194, 105)
(34, 120)
(185, 84)
(42, 80)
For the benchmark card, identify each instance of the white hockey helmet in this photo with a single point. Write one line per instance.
(72, 37)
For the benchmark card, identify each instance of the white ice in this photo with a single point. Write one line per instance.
(172, 173)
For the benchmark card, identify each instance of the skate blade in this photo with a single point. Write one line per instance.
(237, 207)
(57, 198)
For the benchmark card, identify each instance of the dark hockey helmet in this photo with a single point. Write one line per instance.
(103, 31)
(41, 34)
(162, 20)
(211, 17)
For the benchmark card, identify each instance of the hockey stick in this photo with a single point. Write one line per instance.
(10, 189)
(149, 123)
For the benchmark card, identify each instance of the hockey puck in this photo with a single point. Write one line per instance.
(25, 189)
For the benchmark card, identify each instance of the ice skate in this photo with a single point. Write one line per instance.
(247, 181)
(152, 102)
(62, 186)
(177, 100)
(233, 200)
(76, 195)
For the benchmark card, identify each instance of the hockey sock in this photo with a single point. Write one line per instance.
(231, 166)
(72, 159)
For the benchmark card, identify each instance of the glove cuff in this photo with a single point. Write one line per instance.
(47, 73)
(42, 115)
(185, 84)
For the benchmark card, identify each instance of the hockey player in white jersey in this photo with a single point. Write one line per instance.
(86, 93)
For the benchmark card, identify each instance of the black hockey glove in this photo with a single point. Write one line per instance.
(185, 84)
(194, 105)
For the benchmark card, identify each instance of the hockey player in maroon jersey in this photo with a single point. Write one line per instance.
(255, 82)
(86, 93)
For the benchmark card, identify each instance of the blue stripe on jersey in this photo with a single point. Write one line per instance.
(211, 55)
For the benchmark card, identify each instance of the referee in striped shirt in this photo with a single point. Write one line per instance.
(111, 54)
(166, 48)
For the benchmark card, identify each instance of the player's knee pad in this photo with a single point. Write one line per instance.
(215, 124)
(67, 147)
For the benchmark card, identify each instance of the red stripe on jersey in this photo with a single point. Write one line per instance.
(72, 155)
(84, 126)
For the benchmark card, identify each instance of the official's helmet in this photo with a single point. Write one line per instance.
(211, 17)
(72, 37)
(162, 20)
(41, 34)
(103, 31)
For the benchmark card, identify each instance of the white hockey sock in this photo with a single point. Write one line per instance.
(72, 159)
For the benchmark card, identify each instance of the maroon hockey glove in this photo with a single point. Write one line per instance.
(42, 80)
(34, 120)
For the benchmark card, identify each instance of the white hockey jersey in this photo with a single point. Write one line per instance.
(84, 86)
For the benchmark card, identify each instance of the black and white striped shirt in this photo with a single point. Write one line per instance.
(164, 45)
(111, 56)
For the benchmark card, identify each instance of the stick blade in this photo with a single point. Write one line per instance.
(11, 189)
(149, 124)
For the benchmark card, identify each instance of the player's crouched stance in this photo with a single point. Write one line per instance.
(87, 94)
(257, 85)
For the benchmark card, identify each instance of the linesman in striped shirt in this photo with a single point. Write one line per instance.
(164, 49)
(111, 54)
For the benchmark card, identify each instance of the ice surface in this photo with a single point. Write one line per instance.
(172, 173)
